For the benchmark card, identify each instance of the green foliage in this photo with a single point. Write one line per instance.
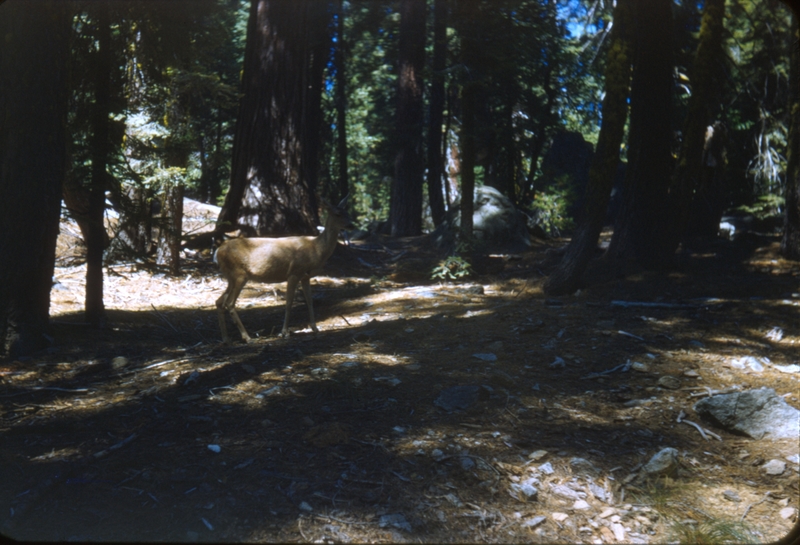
(550, 207)
(453, 267)
(766, 206)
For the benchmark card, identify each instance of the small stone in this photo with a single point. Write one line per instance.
(619, 531)
(607, 512)
(669, 382)
(581, 505)
(787, 512)
(525, 491)
(537, 455)
(547, 468)
(663, 462)
(558, 363)
(641, 367)
(534, 522)
(397, 520)
(559, 517)
(794, 458)
(486, 356)
(731, 495)
(774, 467)
(582, 465)
(306, 507)
(119, 362)
(437, 454)
(691, 373)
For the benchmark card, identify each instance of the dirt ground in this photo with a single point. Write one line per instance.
(153, 430)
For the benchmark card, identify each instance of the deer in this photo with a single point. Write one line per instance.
(271, 260)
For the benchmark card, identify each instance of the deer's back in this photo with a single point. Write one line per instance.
(267, 259)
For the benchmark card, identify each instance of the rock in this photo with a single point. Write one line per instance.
(775, 334)
(459, 397)
(664, 462)
(582, 465)
(559, 517)
(547, 468)
(731, 495)
(397, 520)
(566, 492)
(774, 467)
(793, 368)
(537, 455)
(485, 357)
(669, 382)
(641, 367)
(497, 223)
(757, 413)
(119, 362)
(598, 492)
(534, 522)
(787, 512)
(747, 362)
(581, 505)
(525, 491)
(558, 363)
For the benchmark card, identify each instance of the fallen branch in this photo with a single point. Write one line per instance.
(702, 431)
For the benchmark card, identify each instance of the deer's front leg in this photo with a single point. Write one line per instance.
(307, 295)
(291, 288)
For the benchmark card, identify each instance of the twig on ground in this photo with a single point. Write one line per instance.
(164, 318)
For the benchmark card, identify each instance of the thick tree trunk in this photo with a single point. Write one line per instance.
(435, 163)
(790, 242)
(33, 109)
(275, 161)
(95, 236)
(169, 239)
(567, 276)
(405, 209)
(644, 229)
(701, 163)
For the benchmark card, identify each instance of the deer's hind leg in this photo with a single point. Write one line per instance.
(227, 301)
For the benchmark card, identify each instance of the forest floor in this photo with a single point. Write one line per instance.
(153, 430)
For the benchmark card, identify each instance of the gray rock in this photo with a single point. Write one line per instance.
(496, 222)
(525, 490)
(459, 397)
(774, 467)
(756, 413)
(664, 462)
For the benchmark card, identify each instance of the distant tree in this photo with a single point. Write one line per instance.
(405, 211)
(790, 242)
(469, 24)
(436, 109)
(699, 167)
(567, 276)
(277, 142)
(33, 107)
(643, 229)
(340, 53)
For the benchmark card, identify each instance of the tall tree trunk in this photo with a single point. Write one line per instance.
(790, 242)
(405, 209)
(276, 144)
(435, 163)
(692, 174)
(96, 237)
(567, 276)
(341, 105)
(170, 229)
(644, 228)
(33, 110)
(469, 26)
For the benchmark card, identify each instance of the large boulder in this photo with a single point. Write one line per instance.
(497, 224)
(757, 413)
